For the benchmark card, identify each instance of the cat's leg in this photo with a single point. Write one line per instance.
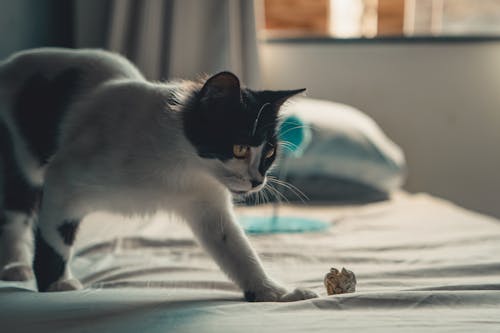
(213, 223)
(16, 246)
(54, 237)
(18, 205)
(54, 240)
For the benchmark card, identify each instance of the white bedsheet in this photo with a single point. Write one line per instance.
(422, 264)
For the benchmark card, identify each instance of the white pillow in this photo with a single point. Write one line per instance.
(345, 144)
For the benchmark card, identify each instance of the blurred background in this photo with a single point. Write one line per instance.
(427, 71)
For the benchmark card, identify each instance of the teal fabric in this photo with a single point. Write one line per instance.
(280, 224)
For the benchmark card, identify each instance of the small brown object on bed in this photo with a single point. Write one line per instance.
(340, 282)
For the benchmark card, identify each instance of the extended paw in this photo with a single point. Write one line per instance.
(298, 294)
(65, 285)
(279, 294)
(16, 272)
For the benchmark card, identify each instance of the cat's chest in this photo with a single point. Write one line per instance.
(164, 190)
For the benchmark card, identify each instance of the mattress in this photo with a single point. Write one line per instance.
(422, 264)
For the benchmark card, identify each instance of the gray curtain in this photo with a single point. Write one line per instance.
(174, 38)
(26, 24)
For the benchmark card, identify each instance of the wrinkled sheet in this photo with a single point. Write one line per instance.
(422, 264)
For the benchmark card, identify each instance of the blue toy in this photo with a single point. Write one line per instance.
(294, 135)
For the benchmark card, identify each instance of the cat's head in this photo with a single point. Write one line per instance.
(235, 130)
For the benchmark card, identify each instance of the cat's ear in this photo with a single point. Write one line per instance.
(280, 96)
(224, 86)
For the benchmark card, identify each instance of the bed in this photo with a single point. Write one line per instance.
(422, 264)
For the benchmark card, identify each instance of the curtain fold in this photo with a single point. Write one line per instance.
(175, 38)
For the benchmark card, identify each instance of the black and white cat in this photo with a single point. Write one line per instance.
(86, 129)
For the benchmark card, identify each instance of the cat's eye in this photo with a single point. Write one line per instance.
(240, 151)
(271, 152)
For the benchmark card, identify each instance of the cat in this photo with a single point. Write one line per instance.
(89, 132)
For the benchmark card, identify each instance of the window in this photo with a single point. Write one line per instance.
(373, 18)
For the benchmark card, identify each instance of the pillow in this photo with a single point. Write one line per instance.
(348, 155)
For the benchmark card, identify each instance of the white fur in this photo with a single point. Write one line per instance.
(123, 150)
(16, 243)
(238, 173)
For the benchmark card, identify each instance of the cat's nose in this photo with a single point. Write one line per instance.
(255, 183)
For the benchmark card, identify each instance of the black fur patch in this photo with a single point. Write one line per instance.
(221, 115)
(250, 296)
(214, 129)
(48, 265)
(39, 108)
(18, 194)
(224, 237)
(265, 163)
(67, 230)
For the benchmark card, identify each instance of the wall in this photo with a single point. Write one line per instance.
(439, 101)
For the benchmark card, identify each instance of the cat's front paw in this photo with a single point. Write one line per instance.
(65, 285)
(279, 294)
(298, 294)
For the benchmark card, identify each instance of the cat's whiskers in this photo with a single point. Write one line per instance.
(279, 133)
(265, 194)
(257, 197)
(292, 129)
(288, 145)
(275, 192)
(303, 197)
